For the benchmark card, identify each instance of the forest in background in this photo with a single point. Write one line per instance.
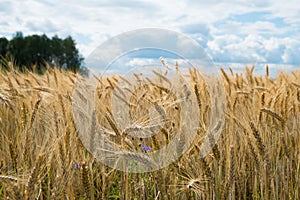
(36, 52)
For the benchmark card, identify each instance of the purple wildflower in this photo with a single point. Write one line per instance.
(77, 166)
(145, 148)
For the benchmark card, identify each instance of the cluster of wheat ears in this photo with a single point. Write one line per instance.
(256, 157)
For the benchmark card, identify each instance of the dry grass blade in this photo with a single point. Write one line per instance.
(35, 110)
(34, 177)
(273, 114)
(6, 101)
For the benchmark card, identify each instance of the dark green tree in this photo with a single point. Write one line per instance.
(39, 50)
(72, 59)
(3, 46)
(64, 54)
(17, 51)
(3, 51)
(56, 47)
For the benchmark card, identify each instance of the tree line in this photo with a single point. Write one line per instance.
(38, 51)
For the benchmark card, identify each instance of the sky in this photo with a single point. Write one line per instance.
(232, 32)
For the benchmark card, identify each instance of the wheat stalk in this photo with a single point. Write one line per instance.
(273, 114)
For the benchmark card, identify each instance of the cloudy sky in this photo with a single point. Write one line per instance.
(233, 31)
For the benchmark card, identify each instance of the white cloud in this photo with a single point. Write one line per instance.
(292, 51)
(258, 27)
(256, 49)
(209, 22)
(288, 10)
(141, 62)
(5, 7)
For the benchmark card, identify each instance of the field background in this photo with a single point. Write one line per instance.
(257, 156)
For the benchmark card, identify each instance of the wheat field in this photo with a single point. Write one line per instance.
(256, 157)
